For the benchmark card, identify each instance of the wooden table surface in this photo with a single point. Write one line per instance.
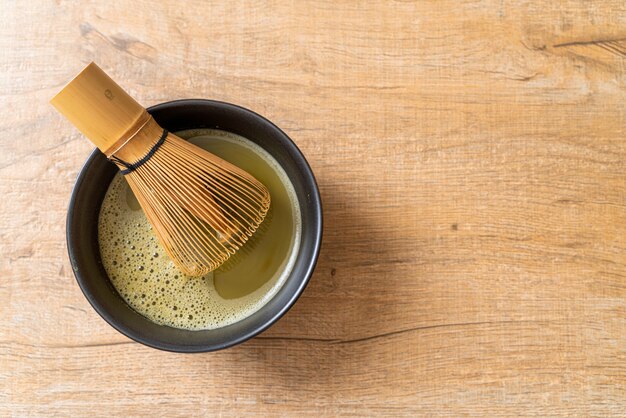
(471, 162)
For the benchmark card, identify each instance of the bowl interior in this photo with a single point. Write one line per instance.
(93, 182)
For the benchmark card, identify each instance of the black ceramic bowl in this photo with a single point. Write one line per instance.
(82, 230)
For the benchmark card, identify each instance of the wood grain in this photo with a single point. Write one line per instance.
(471, 160)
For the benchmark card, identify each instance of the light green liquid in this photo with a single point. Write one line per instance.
(150, 283)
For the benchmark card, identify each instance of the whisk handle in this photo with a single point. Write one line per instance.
(100, 109)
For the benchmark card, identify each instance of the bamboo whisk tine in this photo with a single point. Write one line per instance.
(202, 208)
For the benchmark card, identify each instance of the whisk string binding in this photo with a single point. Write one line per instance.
(130, 167)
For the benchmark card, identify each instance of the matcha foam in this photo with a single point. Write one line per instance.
(151, 284)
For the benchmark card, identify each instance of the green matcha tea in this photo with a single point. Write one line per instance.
(151, 284)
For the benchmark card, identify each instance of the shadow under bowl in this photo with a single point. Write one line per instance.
(90, 189)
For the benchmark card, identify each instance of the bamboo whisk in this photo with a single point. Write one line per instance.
(202, 208)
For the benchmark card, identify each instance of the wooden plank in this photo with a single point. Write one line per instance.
(471, 160)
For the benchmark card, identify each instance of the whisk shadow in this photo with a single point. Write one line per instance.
(326, 333)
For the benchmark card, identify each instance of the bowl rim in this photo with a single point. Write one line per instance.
(313, 195)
